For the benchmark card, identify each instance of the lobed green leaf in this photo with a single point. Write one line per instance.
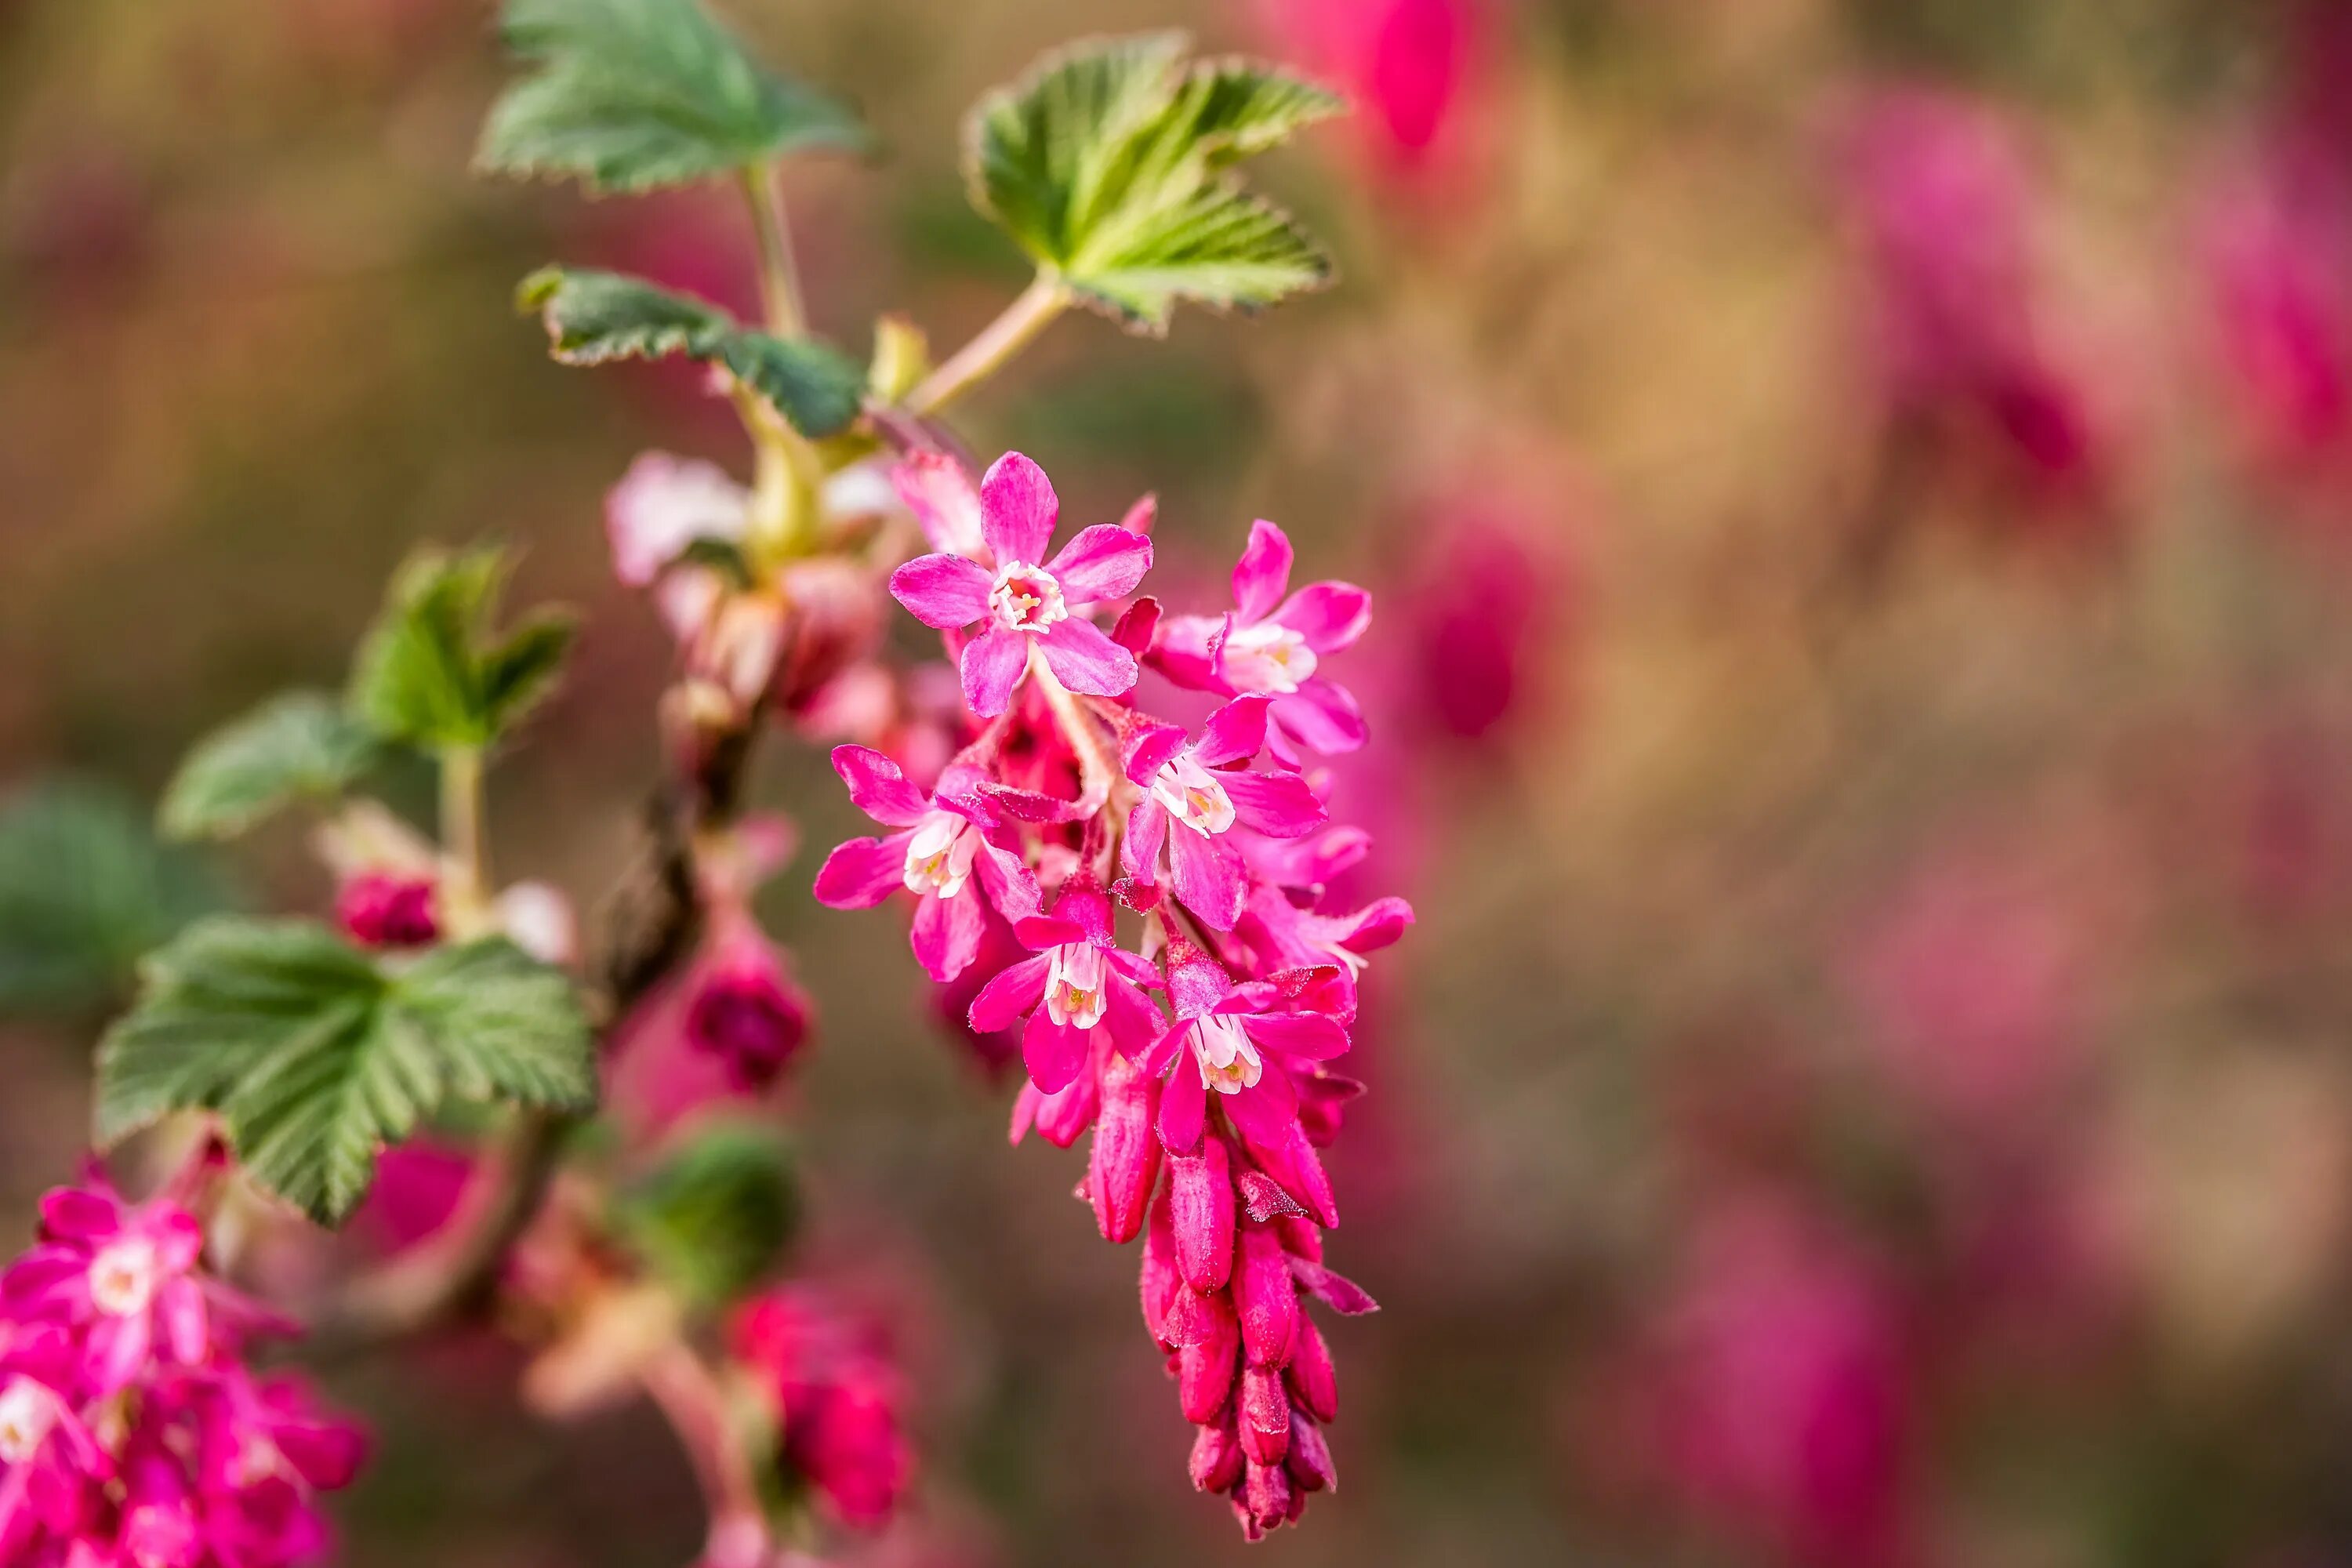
(299, 745)
(430, 673)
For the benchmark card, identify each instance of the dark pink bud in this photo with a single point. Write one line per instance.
(1314, 1381)
(1264, 1297)
(1201, 1192)
(1159, 1281)
(1205, 1372)
(386, 909)
(1301, 1237)
(1126, 1161)
(1265, 1493)
(1309, 1459)
(1294, 1163)
(1216, 1457)
(747, 1012)
(1065, 1113)
(1262, 1197)
(1264, 1412)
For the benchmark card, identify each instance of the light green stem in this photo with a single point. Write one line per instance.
(996, 345)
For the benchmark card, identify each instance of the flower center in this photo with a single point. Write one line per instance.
(939, 855)
(1267, 658)
(1193, 796)
(27, 1411)
(1025, 598)
(122, 1276)
(1229, 1062)
(1075, 985)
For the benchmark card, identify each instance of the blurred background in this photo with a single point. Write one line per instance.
(1859, 495)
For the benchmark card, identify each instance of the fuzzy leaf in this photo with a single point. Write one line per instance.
(1109, 163)
(633, 94)
(430, 672)
(715, 1218)
(299, 745)
(594, 318)
(85, 889)
(315, 1057)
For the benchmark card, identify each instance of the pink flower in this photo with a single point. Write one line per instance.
(744, 1008)
(1285, 937)
(49, 1462)
(389, 908)
(838, 1396)
(945, 852)
(1232, 1040)
(1411, 63)
(1273, 645)
(1076, 980)
(1023, 603)
(662, 506)
(1195, 792)
(121, 1278)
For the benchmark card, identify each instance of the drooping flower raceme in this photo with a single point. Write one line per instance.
(1181, 987)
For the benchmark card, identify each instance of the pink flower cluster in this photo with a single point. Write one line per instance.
(1174, 977)
(833, 1384)
(131, 1434)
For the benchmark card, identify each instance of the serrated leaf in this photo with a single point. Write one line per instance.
(85, 889)
(629, 95)
(594, 317)
(316, 1056)
(1109, 164)
(300, 745)
(714, 1218)
(431, 674)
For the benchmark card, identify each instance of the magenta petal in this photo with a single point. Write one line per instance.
(993, 664)
(863, 872)
(1183, 1107)
(1323, 716)
(1279, 806)
(72, 1214)
(1185, 648)
(1148, 747)
(1105, 561)
(1207, 873)
(1234, 733)
(1374, 926)
(1309, 1035)
(181, 1305)
(1329, 615)
(947, 932)
(1084, 659)
(1146, 827)
(1133, 1022)
(1267, 1109)
(943, 591)
(1010, 886)
(935, 488)
(1053, 1052)
(1039, 933)
(1263, 573)
(1014, 990)
(1017, 509)
(878, 788)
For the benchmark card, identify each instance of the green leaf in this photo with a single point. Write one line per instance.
(594, 318)
(634, 94)
(300, 745)
(431, 674)
(1110, 164)
(715, 1217)
(316, 1056)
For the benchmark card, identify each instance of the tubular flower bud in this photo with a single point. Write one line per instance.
(1264, 1415)
(1204, 1373)
(1201, 1191)
(1125, 1159)
(1264, 1297)
(1216, 1457)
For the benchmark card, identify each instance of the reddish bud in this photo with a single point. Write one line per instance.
(1216, 1457)
(1309, 1459)
(1064, 1114)
(1125, 1159)
(1266, 1494)
(1204, 1373)
(1313, 1381)
(746, 1011)
(1301, 1237)
(1201, 1193)
(385, 909)
(1159, 1281)
(1264, 1297)
(1264, 1412)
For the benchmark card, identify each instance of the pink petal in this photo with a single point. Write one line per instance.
(1279, 806)
(947, 932)
(1267, 1108)
(1329, 615)
(1017, 509)
(1208, 876)
(1147, 828)
(662, 505)
(878, 788)
(1234, 733)
(1263, 573)
(1104, 562)
(1322, 714)
(1374, 927)
(943, 591)
(1307, 1035)
(1053, 1052)
(993, 664)
(71, 1214)
(1083, 659)
(1039, 933)
(181, 1305)
(1133, 1022)
(1010, 886)
(936, 489)
(1017, 988)
(1148, 747)
(1183, 1107)
(1137, 627)
(1183, 651)
(863, 872)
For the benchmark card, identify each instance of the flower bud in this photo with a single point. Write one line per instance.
(1266, 1494)
(1160, 1280)
(388, 909)
(1309, 1459)
(1067, 1113)
(1205, 1372)
(1125, 1159)
(1264, 1412)
(1313, 1381)
(1264, 1297)
(1216, 1457)
(746, 1011)
(1201, 1192)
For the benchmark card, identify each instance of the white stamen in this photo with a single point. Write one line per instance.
(1077, 992)
(1193, 796)
(1026, 598)
(939, 855)
(1267, 658)
(1228, 1058)
(123, 1276)
(27, 1411)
